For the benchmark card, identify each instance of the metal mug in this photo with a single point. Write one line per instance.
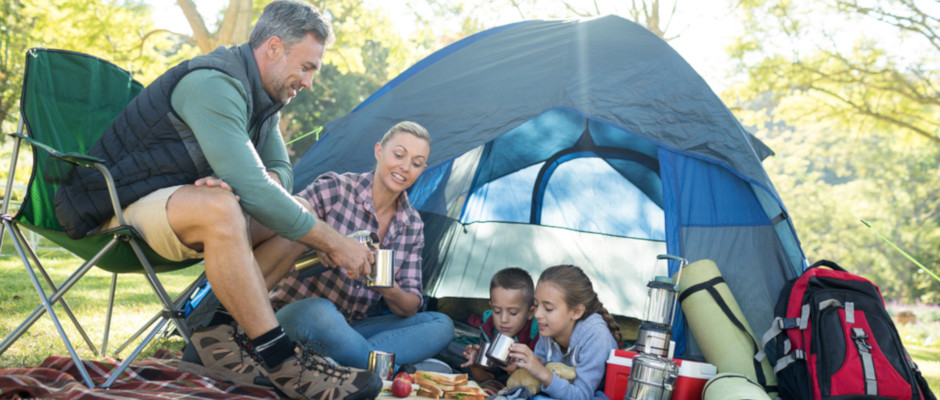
(651, 378)
(499, 349)
(481, 359)
(382, 364)
(383, 271)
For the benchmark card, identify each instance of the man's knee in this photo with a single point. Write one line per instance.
(207, 208)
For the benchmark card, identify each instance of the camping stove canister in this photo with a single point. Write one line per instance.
(653, 338)
(651, 378)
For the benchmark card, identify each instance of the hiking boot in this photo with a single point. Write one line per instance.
(223, 352)
(308, 376)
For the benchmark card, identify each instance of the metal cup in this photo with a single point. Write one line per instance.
(382, 364)
(499, 349)
(481, 359)
(382, 274)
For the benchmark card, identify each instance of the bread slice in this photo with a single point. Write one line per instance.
(469, 391)
(445, 382)
(431, 392)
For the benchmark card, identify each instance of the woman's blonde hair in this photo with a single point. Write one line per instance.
(406, 126)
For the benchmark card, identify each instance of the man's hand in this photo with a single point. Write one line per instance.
(354, 258)
(211, 181)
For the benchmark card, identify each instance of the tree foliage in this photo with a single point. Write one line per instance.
(655, 15)
(234, 28)
(120, 32)
(366, 54)
(884, 78)
(854, 115)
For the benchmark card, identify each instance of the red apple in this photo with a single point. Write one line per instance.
(401, 387)
(405, 375)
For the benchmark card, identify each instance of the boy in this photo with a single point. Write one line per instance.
(512, 308)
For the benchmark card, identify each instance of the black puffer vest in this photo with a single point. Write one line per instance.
(149, 147)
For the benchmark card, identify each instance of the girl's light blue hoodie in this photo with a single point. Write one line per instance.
(588, 349)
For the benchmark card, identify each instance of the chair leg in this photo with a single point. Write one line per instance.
(52, 285)
(47, 304)
(179, 303)
(127, 361)
(18, 240)
(11, 176)
(170, 312)
(168, 305)
(139, 332)
(107, 321)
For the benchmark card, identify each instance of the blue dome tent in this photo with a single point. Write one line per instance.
(584, 142)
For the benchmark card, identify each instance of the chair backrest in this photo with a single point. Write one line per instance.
(68, 101)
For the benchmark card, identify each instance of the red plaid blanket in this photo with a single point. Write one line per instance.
(153, 378)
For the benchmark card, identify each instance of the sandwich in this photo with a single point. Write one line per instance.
(445, 382)
(470, 391)
(431, 392)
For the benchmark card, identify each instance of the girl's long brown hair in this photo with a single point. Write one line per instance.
(578, 290)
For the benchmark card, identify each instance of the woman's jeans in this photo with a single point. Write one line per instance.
(316, 324)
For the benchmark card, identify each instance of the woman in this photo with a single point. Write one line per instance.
(338, 316)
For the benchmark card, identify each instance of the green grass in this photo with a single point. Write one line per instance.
(922, 341)
(928, 360)
(135, 304)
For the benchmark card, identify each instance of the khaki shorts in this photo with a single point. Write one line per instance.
(148, 216)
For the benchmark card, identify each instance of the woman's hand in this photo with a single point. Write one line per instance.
(527, 360)
(470, 353)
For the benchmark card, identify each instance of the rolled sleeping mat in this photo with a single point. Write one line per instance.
(718, 325)
(731, 386)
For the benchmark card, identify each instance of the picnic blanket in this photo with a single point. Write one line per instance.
(152, 378)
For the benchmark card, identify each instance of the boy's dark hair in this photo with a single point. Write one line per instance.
(515, 278)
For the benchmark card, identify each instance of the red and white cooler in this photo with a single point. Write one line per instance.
(689, 384)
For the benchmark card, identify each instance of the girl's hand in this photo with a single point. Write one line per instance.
(470, 353)
(527, 360)
(514, 365)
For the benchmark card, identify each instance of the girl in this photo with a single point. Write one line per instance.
(575, 329)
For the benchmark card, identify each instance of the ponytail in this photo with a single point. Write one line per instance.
(612, 325)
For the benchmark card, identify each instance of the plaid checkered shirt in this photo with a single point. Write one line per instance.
(345, 203)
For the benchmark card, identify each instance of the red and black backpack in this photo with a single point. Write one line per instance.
(832, 338)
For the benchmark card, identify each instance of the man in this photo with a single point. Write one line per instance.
(195, 156)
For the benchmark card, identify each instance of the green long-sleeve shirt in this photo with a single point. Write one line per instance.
(214, 106)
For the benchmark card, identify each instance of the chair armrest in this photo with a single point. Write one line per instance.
(72, 158)
(83, 161)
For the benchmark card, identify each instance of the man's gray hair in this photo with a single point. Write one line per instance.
(290, 20)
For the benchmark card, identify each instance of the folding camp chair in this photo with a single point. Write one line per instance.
(68, 101)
